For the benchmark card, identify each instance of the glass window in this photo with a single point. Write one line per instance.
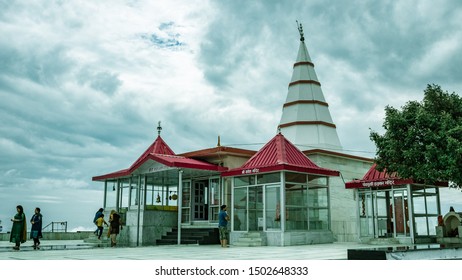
(124, 192)
(296, 207)
(244, 181)
(296, 195)
(268, 178)
(318, 197)
(419, 203)
(296, 218)
(421, 226)
(214, 191)
(186, 202)
(317, 180)
(319, 219)
(272, 204)
(295, 177)
(240, 209)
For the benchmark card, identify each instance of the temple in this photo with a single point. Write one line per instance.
(299, 188)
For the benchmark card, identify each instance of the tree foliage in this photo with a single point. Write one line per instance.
(423, 141)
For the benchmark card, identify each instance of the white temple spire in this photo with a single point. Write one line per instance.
(306, 120)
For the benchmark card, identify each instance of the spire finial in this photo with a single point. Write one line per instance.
(159, 128)
(219, 142)
(300, 30)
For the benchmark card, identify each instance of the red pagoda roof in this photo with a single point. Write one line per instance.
(279, 154)
(382, 179)
(160, 152)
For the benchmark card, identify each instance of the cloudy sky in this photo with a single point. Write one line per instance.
(84, 83)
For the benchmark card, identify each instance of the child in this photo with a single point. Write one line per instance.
(99, 223)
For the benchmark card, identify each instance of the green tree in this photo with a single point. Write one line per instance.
(423, 141)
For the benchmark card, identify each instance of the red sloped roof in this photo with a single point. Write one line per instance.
(160, 152)
(279, 154)
(157, 147)
(375, 178)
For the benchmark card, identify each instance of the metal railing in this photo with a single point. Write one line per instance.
(55, 227)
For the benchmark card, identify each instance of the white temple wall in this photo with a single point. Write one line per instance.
(153, 224)
(344, 215)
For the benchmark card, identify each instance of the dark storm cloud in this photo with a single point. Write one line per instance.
(83, 84)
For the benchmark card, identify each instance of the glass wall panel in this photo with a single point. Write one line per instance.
(296, 207)
(382, 207)
(268, 178)
(133, 196)
(318, 197)
(240, 209)
(124, 192)
(295, 177)
(297, 218)
(272, 204)
(421, 226)
(296, 195)
(214, 192)
(419, 203)
(432, 204)
(150, 195)
(255, 204)
(244, 181)
(319, 219)
(365, 214)
(186, 202)
(317, 180)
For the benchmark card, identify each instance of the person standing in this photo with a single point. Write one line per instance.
(115, 227)
(19, 230)
(97, 215)
(223, 219)
(36, 230)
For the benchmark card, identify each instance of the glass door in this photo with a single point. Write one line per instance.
(199, 200)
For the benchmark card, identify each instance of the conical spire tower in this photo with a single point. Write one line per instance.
(306, 120)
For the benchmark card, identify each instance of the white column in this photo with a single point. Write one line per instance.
(180, 201)
(138, 193)
(105, 195)
(410, 209)
(283, 207)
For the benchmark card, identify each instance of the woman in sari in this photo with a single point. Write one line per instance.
(36, 230)
(19, 229)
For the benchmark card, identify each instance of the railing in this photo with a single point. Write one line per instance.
(55, 227)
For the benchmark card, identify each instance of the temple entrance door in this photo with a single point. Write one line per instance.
(400, 213)
(199, 200)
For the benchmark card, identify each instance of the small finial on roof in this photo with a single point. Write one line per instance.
(159, 128)
(300, 30)
(279, 129)
(218, 144)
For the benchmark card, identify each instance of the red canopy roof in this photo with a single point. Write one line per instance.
(279, 154)
(160, 152)
(377, 179)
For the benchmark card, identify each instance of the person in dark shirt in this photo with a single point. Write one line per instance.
(223, 219)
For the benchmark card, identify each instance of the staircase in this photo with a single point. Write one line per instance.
(94, 241)
(251, 239)
(193, 235)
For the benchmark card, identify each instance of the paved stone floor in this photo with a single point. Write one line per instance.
(78, 250)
